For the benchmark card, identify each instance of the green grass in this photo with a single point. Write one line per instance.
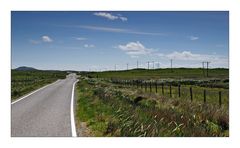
(23, 82)
(115, 110)
(91, 110)
(176, 73)
(212, 94)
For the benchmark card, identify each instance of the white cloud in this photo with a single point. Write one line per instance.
(183, 58)
(189, 56)
(80, 38)
(89, 45)
(123, 18)
(193, 38)
(107, 29)
(106, 15)
(134, 49)
(114, 30)
(110, 16)
(185, 55)
(46, 39)
(190, 59)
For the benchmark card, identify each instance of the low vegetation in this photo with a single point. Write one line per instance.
(116, 110)
(167, 73)
(23, 82)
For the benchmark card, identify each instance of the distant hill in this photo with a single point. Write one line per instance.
(24, 68)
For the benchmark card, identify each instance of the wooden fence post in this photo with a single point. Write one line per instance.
(179, 91)
(170, 87)
(162, 88)
(156, 87)
(204, 96)
(191, 96)
(145, 86)
(141, 84)
(150, 86)
(220, 98)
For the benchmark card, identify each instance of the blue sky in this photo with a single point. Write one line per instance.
(98, 41)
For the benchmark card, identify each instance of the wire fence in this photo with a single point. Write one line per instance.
(214, 96)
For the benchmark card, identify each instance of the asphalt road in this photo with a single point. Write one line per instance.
(45, 113)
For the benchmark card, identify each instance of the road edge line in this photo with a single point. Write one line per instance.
(73, 126)
(33, 92)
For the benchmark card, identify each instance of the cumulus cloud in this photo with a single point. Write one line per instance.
(190, 59)
(46, 38)
(193, 38)
(89, 45)
(110, 16)
(134, 49)
(43, 39)
(187, 55)
(123, 18)
(106, 15)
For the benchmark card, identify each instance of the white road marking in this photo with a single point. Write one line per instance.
(33, 92)
(74, 133)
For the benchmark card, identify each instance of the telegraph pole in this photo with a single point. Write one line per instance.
(203, 68)
(127, 66)
(137, 64)
(203, 63)
(153, 64)
(148, 65)
(207, 67)
(171, 66)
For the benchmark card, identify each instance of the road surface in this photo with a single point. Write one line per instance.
(46, 112)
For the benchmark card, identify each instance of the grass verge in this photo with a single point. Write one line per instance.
(111, 110)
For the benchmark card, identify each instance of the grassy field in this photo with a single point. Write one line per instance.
(117, 103)
(212, 94)
(176, 73)
(23, 82)
(116, 110)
